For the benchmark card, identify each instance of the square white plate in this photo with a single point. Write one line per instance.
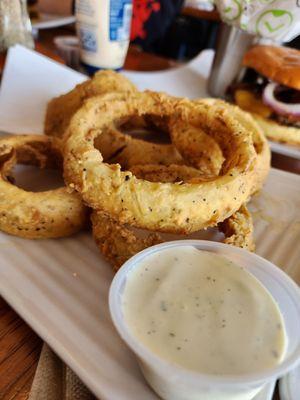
(60, 288)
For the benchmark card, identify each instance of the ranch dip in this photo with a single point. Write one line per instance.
(204, 313)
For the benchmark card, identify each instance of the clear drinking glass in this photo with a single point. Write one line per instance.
(15, 25)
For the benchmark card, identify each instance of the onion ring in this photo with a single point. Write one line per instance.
(113, 144)
(238, 229)
(61, 109)
(118, 243)
(36, 215)
(262, 163)
(197, 148)
(117, 147)
(169, 173)
(278, 106)
(175, 207)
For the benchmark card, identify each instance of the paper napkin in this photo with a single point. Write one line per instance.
(29, 81)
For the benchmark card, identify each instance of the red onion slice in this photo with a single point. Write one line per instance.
(278, 106)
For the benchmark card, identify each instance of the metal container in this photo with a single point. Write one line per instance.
(232, 43)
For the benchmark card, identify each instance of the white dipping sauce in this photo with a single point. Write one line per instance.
(202, 312)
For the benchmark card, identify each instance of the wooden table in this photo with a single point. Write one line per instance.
(19, 345)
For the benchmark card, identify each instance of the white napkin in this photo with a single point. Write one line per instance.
(29, 81)
(272, 19)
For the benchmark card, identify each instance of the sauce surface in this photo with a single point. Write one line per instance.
(202, 312)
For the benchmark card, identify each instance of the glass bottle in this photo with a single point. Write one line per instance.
(15, 25)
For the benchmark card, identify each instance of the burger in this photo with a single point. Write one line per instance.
(270, 91)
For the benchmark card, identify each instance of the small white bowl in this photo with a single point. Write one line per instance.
(172, 382)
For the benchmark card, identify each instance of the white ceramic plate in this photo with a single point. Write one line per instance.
(47, 21)
(60, 288)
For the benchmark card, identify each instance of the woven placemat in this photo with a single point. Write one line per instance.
(54, 380)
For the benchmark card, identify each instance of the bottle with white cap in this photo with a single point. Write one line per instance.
(103, 28)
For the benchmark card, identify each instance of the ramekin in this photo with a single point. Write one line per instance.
(172, 382)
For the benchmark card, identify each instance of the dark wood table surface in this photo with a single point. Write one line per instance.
(19, 346)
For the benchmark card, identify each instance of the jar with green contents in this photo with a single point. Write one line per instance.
(15, 26)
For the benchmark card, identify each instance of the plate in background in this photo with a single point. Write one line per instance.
(47, 21)
(285, 149)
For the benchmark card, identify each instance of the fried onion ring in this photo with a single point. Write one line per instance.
(118, 243)
(117, 147)
(36, 215)
(114, 145)
(166, 207)
(238, 229)
(169, 173)
(263, 160)
(197, 148)
(61, 109)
